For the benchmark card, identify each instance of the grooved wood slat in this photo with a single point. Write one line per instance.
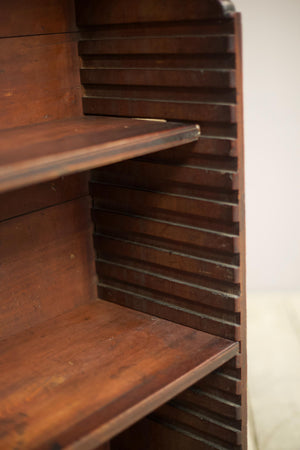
(100, 13)
(158, 45)
(152, 77)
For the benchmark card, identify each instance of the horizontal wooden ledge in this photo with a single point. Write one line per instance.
(81, 378)
(46, 151)
(195, 78)
(159, 45)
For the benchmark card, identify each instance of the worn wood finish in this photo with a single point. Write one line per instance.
(38, 17)
(39, 79)
(47, 265)
(168, 226)
(101, 13)
(115, 364)
(43, 152)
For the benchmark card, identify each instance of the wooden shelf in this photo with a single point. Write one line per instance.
(77, 380)
(46, 151)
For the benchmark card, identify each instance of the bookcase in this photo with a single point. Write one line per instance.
(122, 232)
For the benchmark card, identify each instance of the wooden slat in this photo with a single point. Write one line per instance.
(45, 256)
(162, 309)
(153, 77)
(114, 224)
(162, 261)
(167, 28)
(125, 363)
(213, 403)
(45, 151)
(164, 206)
(180, 94)
(187, 61)
(39, 78)
(99, 12)
(153, 434)
(174, 291)
(177, 414)
(195, 112)
(158, 45)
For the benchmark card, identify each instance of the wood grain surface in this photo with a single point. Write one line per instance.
(46, 151)
(90, 373)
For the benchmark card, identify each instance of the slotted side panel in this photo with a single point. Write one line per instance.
(168, 225)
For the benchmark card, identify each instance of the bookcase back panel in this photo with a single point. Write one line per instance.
(47, 264)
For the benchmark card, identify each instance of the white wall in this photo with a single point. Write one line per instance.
(271, 36)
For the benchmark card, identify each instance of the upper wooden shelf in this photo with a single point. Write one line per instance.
(46, 151)
(77, 380)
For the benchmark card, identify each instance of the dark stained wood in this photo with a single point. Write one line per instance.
(194, 112)
(101, 12)
(180, 209)
(45, 151)
(158, 45)
(39, 79)
(150, 434)
(170, 78)
(36, 197)
(102, 367)
(197, 421)
(47, 265)
(36, 17)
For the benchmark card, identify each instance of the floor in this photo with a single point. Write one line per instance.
(274, 371)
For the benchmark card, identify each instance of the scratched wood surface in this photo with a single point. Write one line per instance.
(90, 373)
(45, 151)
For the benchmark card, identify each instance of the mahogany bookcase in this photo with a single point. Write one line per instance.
(122, 234)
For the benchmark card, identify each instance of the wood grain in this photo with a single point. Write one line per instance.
(19, 18)
(46, 151)
(47, 265)
(39, 79)
(36, 197)
(102, 367)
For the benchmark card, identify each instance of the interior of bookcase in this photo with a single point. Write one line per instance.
(120, 227)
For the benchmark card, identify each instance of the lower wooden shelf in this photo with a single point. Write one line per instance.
(79, 379)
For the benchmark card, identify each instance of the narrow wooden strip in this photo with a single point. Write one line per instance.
(162, 260)
(173, 208)
(211, 403)
(175, 413)
(118, 12)
(157, 286)
(223, 382)
(200, 61)
(182, 293)
(153, 434)
(116, 231)
(159, 45)
(133, 179)
(124, 225)
(195, 112)
(167, 311)
(170, 94)
(153, 77)
(169, 28)
(200, 177)
(176, 156)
